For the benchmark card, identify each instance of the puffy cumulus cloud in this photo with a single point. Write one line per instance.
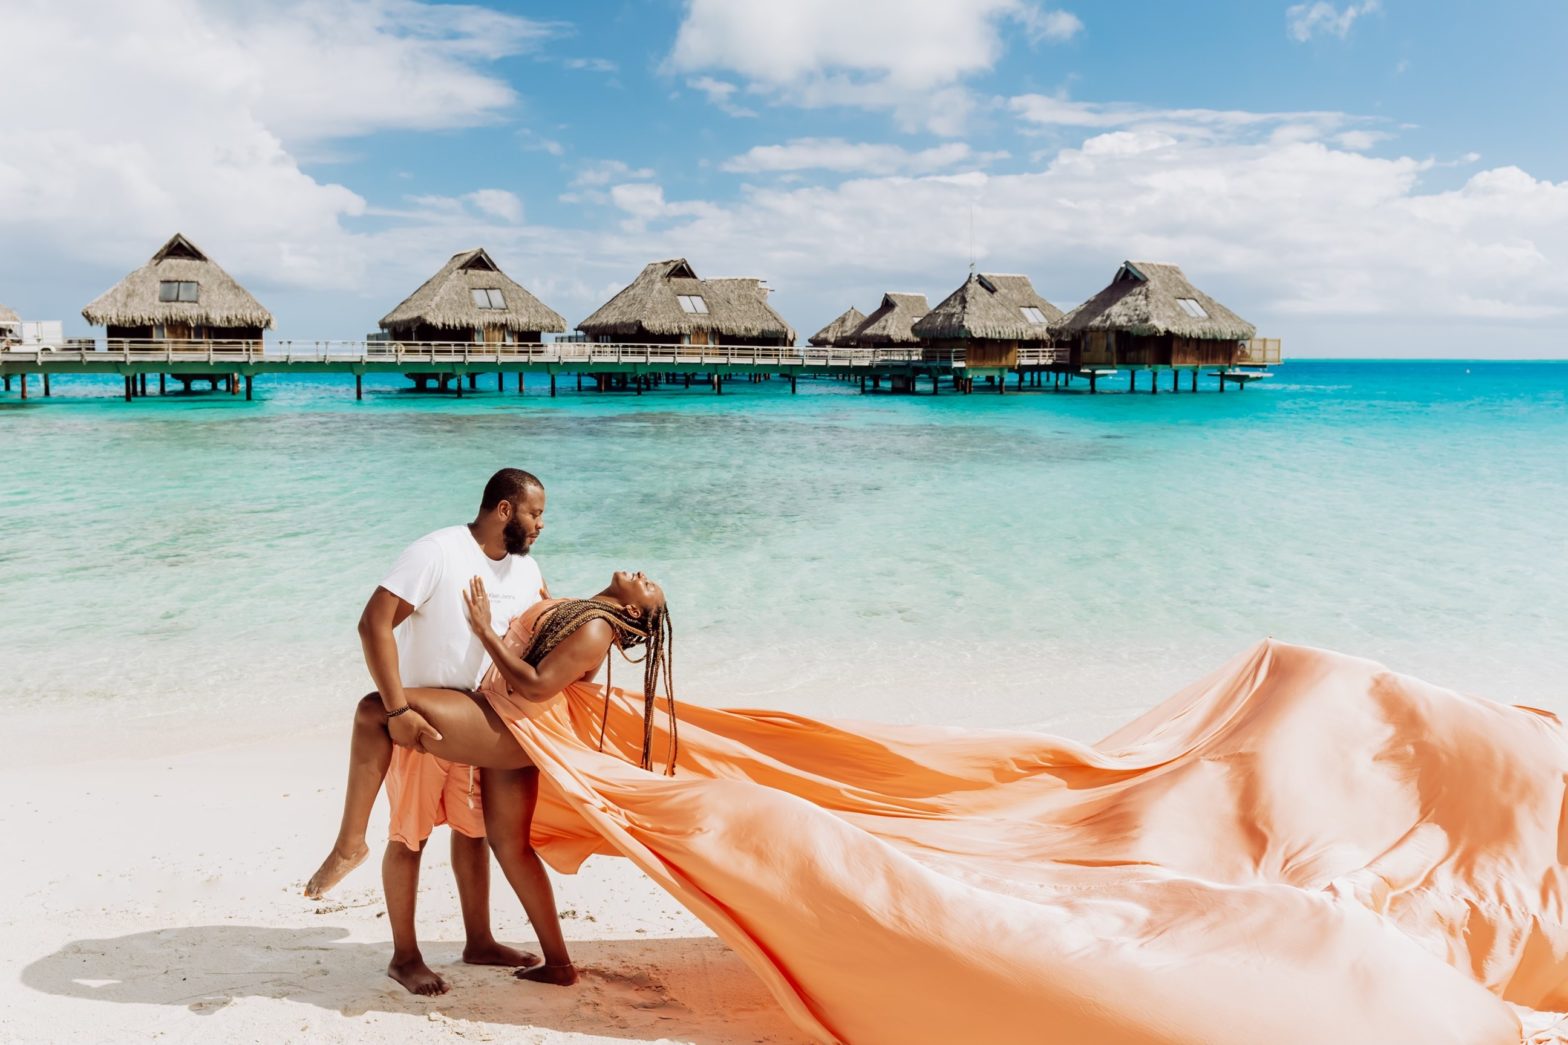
(1304, 21)
(1293, 231)
(721, 95)
(905, 56)
(192, 115)
(836, 154)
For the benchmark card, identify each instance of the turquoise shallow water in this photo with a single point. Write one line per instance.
(1056, 560)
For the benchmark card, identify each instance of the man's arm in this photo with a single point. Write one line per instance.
(384, 612)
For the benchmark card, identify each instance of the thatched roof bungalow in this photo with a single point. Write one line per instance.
(891, 325)
(837, 331)
(471, 299)
(990, 317)
(179, 295)
(668, 304)
(1152, 315)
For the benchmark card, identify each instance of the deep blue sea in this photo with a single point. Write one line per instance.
(1059, 560)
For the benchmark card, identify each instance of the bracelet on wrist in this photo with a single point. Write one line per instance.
(399, 711)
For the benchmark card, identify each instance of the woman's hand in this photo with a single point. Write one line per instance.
(477, 601)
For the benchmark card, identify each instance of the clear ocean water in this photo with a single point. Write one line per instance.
(1059, 561)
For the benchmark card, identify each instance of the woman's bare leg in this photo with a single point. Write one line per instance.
(510, 798)
(369, 756)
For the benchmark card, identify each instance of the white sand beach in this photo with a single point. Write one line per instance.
(157, 897)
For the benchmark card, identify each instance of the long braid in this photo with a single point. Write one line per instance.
(656, 636)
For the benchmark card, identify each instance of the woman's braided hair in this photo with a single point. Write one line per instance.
(653, 632)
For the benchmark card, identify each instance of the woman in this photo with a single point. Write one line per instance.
(1302, 847)
(555, 644)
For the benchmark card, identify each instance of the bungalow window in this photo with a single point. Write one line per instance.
(693, 304)
(488, 298)
(1192, 308)
(178, 290)
(1033, 315)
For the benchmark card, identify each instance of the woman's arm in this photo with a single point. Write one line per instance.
(581, 652)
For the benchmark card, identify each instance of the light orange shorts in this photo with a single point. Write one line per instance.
(426, 791)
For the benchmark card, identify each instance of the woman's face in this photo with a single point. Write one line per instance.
(636, 590)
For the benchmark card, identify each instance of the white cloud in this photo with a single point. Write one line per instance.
(198, 125)
(720, 94)
(1042, 25)
(533, 141)
(497, 203)
(1304, 21)
(1290, 231)
(602, 172)
(908, 57)
(836, 154)
(592, 65)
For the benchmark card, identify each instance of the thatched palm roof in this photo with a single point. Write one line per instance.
(1148, 299)
(992, 306)
(838, 330)
(8, 316)
(651, 304)
(446, 300)
(220, 301)
(891, 323)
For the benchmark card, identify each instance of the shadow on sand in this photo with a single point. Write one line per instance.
(693, 989)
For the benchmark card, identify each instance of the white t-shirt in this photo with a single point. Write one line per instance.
(434, 644)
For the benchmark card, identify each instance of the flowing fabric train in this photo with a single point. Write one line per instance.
(1302, 847)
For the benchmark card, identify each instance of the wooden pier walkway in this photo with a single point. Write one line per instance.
(235, 365)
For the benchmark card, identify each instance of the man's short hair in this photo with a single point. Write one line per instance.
(509, 484)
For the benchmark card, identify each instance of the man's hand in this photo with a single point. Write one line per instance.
(410, 730)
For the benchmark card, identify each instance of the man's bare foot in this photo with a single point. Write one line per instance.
(561, 975)
(334, 869)
(416, 976)
(493, 953)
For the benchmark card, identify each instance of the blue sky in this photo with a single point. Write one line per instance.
(1373, 178)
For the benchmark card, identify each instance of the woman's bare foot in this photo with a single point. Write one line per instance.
(563, 975)
(416, 976)
(493, 953)
(334, 869)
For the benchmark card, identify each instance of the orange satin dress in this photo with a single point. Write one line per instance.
(1301, 848)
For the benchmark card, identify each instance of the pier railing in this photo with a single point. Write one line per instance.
(562, 353)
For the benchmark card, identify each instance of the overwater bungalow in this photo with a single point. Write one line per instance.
(990, 317)
(471, 300)
(668, 304)
(180, 295)
(835, 333)
(1152, 316)
(892, 324)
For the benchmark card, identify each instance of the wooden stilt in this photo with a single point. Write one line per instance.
(1175, 377)
(1195, 380)
(718, 385)
(46, 386)
(1222, 382)
(459, 384)
(1092, 376)
(8, 382)
(520, 381)
(247, 387)
(1132, 380)
(579, 382)
(162, 386)
(638, 379)
(688, 380)
(552, 383)
(1020, 380)
(144, 384)
(24, 386)
(359, 386)
(792, 384)
(1154, 383)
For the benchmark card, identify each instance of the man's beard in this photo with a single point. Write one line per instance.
(515, 538)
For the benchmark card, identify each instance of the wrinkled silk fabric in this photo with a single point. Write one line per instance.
(1302, 847)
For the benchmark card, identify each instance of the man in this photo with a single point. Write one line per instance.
(415, 633)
